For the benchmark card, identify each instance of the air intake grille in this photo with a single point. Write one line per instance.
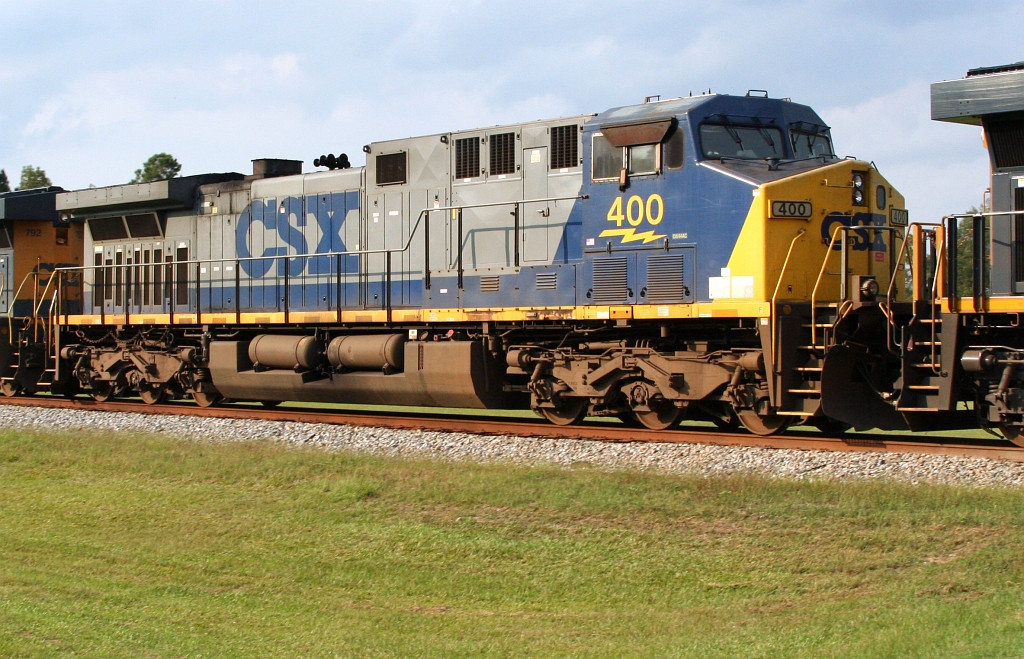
(547, 281)
(610, 282)
(467, 157)
(564, 147)
(1007, 140)
(1018, 236)
(490, 284)
(503, 153)
(665, 279)
(391, 168)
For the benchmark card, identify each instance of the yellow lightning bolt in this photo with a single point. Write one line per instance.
(630, 235)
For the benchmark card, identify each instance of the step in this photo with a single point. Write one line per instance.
(808, 369)
(924, 387)
(804, 392)
(927, 365)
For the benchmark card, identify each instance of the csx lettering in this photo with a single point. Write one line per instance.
(282, 225)
(861, 237)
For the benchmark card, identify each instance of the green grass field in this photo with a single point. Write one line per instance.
(139, 546)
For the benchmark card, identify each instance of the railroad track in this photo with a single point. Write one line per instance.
(592, 430)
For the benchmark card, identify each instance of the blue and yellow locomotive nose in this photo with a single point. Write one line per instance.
(823, 234)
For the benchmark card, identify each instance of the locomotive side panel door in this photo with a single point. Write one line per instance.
(534, 221)
(6, 277)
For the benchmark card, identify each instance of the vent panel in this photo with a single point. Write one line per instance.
(1007, 141)
(1018, 236)
(391, 168)
(610, 281)
(564, 147)
(503, 154)
(467, 157)
(547, 281)
(490, 284)
(665, 282)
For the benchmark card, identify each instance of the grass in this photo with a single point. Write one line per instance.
(144, 546)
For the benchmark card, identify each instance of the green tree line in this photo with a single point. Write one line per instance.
(158, 167)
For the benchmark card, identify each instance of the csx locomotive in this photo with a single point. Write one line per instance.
(707, 257)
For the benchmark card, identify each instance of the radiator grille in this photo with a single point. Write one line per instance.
(503, 153)
(610, 281)
(665, 282)
(467, 157)
(564, 147)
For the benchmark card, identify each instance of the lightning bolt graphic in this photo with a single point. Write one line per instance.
(630, 235)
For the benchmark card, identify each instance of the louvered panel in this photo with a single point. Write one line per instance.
(547, 281)
(1018, 235)
(665, 281)
(490, 284)
(610, 281)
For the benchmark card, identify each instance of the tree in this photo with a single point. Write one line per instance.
(159, 167)
(5, 185)
(33, 177)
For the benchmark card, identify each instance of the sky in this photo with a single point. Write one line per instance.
(89, 91)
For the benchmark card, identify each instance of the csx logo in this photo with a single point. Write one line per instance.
(859, 239)
(283, 229)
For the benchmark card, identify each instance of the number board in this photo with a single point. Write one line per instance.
(900, 217)
(791, 209)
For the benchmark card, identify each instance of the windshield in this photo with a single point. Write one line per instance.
(809, 144)
(745, 142)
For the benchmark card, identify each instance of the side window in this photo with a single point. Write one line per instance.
(606, 160)
(675, 149)
(643, 159)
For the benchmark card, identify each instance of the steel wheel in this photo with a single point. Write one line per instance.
(762, 424)
(661, 416)
(206, 399)
(8, 388)
(1013, 433)
(152, 395)
(102, 391)
(567, 411)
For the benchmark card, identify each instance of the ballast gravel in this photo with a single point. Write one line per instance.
(660, 458)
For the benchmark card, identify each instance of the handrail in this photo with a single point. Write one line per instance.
(423, 217)
(775, 295)
(844, 260)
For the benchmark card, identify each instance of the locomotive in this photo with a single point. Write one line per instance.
(706, 257)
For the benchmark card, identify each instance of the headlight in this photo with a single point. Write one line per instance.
(858, 188)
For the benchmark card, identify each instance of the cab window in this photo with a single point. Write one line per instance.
(607, 161)
(810, 144)
(741, 142)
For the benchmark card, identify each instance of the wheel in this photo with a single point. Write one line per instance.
(102, 391)
(206, 398)
(567, 411)
(661, 416)
(8, 388)
(152, 395)
(1013, 433)
(762, 424)
(270, 404)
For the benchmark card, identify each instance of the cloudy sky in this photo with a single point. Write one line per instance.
(91, 90)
